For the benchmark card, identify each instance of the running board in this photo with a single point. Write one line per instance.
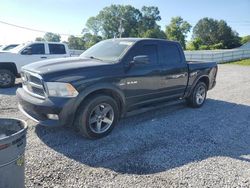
(154, 107)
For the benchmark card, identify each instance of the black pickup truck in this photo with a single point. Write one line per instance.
(115, 76)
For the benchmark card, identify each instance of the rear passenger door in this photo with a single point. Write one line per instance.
(174, 70)
(142, 80)
(57, 50)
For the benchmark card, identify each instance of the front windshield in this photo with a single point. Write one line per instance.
(9, 47)
(108, 50)
(17, 48)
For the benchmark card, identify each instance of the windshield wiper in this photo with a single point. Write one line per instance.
(92, 57)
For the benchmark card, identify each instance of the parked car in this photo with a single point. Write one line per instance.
(8, 47)
(116, 76)
(11, 61)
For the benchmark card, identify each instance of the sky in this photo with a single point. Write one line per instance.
(69, 16)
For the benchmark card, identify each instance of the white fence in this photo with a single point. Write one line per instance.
(219, 56)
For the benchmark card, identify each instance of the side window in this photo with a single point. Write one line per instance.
(34, 49)
(170, 54)
(57, 49)
(149, 50)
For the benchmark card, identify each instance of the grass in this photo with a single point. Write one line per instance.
(245, 62)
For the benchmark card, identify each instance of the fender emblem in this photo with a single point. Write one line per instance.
(132, 82)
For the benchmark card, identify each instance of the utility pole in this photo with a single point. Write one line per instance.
(121, 29)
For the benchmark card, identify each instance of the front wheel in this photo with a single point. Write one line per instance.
(7, 78)
(97, 116)
(198, 96)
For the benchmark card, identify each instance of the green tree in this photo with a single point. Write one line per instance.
(94, 24)
(134, 22)
(115, 15)
(245, 39)
(39, 39)
(154, 33)
(177, 30)
(76, 43)
(52, 37)
(214, 33)
(227, 38)
(90, 39)
(149, 17)
(206, 30)
(194, 44)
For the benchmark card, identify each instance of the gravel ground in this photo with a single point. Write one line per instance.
(171, 147)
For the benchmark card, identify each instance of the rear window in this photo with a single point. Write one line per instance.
(170, 54)
(57, 49)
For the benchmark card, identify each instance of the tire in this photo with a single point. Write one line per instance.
(198, 95)
(7, 78)
(92, 121)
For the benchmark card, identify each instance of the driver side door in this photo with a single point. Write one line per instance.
(32, 53)
(142, 80)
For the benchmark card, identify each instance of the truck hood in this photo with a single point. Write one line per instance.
(61, 64)
(6, 54)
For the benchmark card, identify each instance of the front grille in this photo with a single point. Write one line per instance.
(35, 80)
(33, 84)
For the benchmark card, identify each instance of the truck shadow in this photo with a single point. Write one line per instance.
(10, 91)
(160, 140)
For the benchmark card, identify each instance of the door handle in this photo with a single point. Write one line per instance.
(176, 76)
(43, 57)
(181, 75)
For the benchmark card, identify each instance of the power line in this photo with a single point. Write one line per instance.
(245, 23)
(228, 21)
(30, 29)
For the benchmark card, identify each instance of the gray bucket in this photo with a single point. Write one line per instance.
(12, 147)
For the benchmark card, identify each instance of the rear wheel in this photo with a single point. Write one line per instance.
(7, 78)
(198, 96)
(97, 116)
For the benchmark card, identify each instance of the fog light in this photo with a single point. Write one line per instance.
(53, 116)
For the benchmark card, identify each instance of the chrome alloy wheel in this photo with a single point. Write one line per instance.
(200, 95)
(101, 118)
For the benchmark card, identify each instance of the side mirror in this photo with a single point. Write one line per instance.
(27, 51)
(141, 59)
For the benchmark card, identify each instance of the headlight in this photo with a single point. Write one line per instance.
(58, 89)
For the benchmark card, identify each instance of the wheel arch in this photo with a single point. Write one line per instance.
(203, 78)
(9, 66)
(105, 89)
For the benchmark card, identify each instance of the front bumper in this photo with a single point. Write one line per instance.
(38, 109)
